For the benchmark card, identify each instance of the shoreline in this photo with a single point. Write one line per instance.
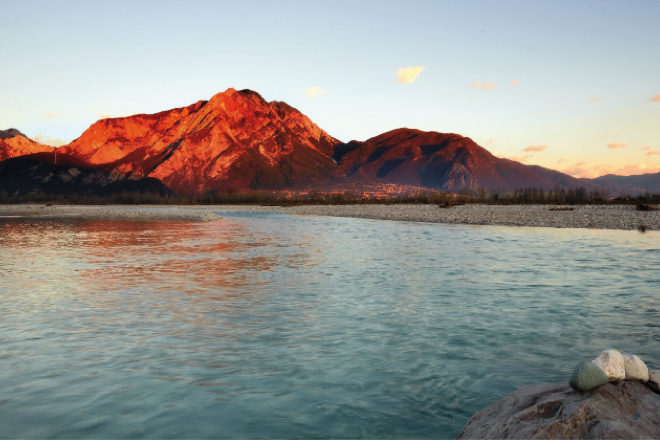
(621, 217)
(107, 212)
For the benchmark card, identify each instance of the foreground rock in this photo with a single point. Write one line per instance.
(612, 364)
(626, 409)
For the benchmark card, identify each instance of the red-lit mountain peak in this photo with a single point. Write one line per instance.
(235, 140)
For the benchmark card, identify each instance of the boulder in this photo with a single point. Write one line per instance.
(612, 364)
(625, 409)
(586, 376)
(635, 368)
(654, 381)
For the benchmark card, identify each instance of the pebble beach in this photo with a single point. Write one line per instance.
(624, 217)
(588, 216)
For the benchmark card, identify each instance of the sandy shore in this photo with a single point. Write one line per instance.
(594, 217)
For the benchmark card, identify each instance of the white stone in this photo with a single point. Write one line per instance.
(654, 381)
(612, 364)
(635, 368)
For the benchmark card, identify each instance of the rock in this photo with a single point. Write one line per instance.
(654, 381)
(586, 376)
(612, 364)
(635, 368)
(615, 410)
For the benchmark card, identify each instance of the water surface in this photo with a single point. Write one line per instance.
(274, 326)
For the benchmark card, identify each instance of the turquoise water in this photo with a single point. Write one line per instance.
(274, 326)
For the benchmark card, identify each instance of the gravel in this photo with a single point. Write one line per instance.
(109, 212)
(591, 216)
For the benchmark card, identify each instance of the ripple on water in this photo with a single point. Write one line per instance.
(268, 325)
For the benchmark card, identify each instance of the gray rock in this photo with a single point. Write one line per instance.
(654, 381)
(587, 375)
(612, 364)
(624, 409)
(635, 368)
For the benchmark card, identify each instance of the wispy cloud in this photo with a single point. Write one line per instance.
(315, 92)
(646, 148)
(580, 170)
(490, 142)
(594, 100)
(480, 85)
(408, 74)
(562, 160)
(655, 98)
(52, 115)
(535, 149)
(476, 85)
(488, 86)
(653, 152)
(615, 145)
(102, 115)
(514, 82)
(47, 140)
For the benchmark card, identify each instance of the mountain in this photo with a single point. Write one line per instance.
(629, 185)
(44, 174)
(442, 161)
(13, 143)
(236, 140)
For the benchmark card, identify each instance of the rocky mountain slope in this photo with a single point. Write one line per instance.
(630, 185)
(442, 161)
(43, 174)
(13, 143)
(236, 140)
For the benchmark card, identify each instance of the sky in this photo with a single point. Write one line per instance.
(569, 85)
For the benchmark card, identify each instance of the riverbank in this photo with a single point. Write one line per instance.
(110, 212)
(582, 216)
(624, 217)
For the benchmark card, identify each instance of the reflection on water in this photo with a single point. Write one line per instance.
(267, 325)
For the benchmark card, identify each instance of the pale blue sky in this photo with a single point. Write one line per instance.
(83, 59)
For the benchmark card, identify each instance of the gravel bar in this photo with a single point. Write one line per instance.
(109, 212)
(588, 216)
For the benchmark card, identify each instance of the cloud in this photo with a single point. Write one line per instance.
(601, 170)
(562, 160)
(616, 145)
(102, 116)
(514, 82)
(594, 100)
(653, 152)
(408, 74)
(315, 92)
(655, 98)
(488, 86)
(646, 148)
(490, 142)
(535, 149)
(52, 115)
(47, 140)
(476, 84)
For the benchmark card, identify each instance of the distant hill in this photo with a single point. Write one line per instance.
(443, 161)
(40, 174)
(13, 143)
(629, 185)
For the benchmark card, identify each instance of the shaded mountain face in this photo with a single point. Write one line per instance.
(13, 143)
(236, 140)
(42, 174)
(629, 185)
(440, 161)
